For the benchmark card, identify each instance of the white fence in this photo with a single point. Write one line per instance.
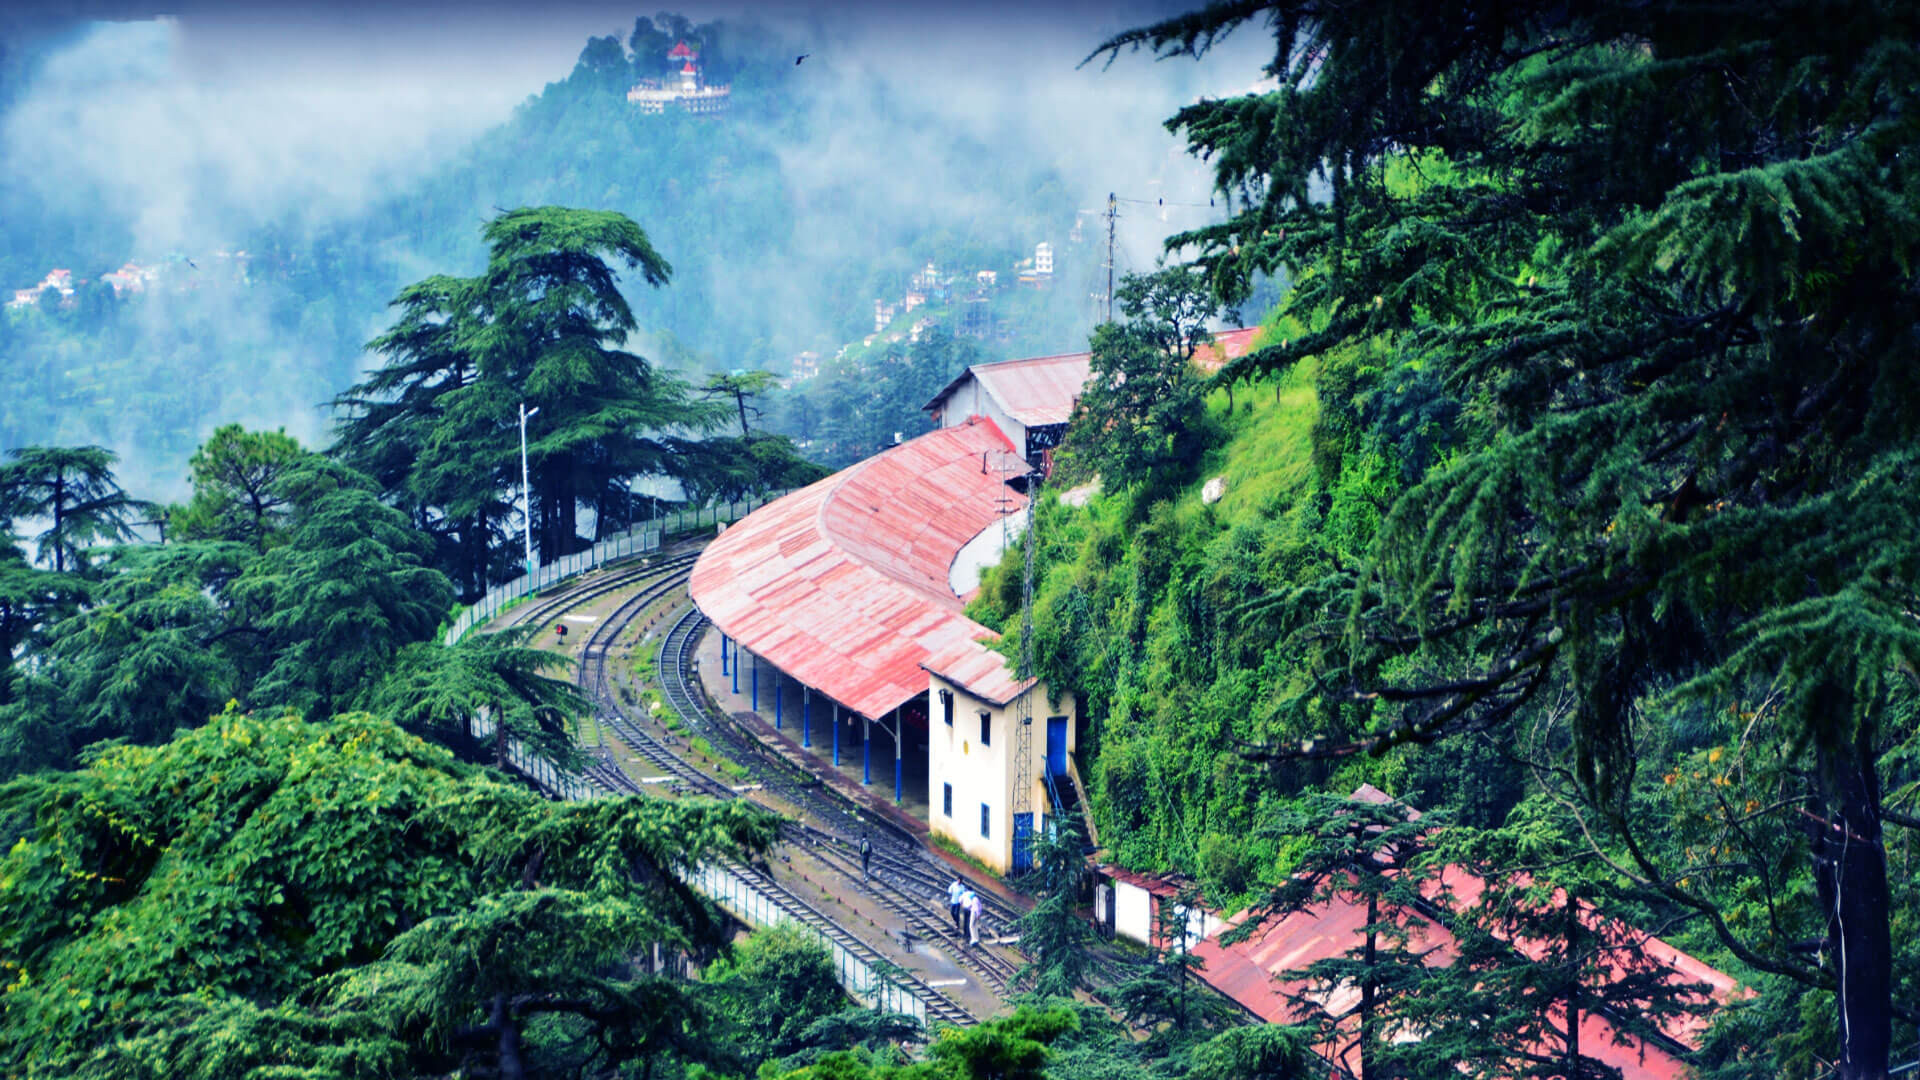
(635, 541)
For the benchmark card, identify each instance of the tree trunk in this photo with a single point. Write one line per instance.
(1366, 989)
(1850, 872)
(59, 521)
(1573, 986)
(512, 1066)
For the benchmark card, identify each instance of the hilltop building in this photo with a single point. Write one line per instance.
(688, 92)
(1043, 259)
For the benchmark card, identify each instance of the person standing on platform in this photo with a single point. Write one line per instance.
(973, 917)
(866, 857)
(956, 892)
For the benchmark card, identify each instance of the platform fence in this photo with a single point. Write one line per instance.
(638, 540)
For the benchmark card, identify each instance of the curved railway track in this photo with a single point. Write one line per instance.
(904, 881)
(593, 587)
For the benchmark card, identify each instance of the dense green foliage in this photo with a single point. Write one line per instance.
(1608, 312)
(270, 896)
(287, 583)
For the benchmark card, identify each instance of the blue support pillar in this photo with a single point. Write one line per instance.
(806, 716)
(736, 668)
(898, 726)
(776, 699)
(836, 734)
(724, 669)
(866, 751)
(756, 681)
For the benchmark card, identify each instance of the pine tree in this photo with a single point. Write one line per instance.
(73, 489)
(1663, 260)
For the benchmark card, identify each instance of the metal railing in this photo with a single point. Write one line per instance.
(638, 540)
(757, 909)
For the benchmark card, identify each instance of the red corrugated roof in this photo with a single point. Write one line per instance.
(1041, 390)
(1248, 972)
(981, 670)
(843, 584)
(680, 52)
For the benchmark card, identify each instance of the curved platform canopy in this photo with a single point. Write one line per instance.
(843, 585)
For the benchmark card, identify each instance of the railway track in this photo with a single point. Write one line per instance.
(938, 1005)
(904, 881)
(593, 587)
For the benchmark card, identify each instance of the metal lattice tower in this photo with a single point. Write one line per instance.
(1023, 726)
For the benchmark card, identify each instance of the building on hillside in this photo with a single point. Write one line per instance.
(1032, 400)
(1250, 972)
(805, 365)
(687, 91)
(25, 297)
(844, 603)
(1043, 259)
(976, 317)
(987, 278)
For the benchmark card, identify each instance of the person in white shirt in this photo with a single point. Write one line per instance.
(956, 892)
(973, 916)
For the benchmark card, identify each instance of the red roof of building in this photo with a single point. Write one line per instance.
(681, 52)
(843, 584)
(981, 670)
(689, 69)
(1041, 390)
(1248, 971)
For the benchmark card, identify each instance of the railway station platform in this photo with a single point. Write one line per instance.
(876, 798)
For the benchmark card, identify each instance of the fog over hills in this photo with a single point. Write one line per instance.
(350, 150)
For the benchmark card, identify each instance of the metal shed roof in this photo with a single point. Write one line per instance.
(1041, 390)
(1250, 971)
(843, 584)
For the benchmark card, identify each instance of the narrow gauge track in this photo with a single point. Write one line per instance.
(938, 1005)
(552, 607)
(892, 844)
(903, 881)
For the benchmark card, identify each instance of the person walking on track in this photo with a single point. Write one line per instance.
(866, 857)
(956, 892)
(973, 917)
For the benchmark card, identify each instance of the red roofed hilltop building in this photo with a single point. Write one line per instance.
(688, 92)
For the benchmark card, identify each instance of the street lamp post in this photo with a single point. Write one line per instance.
(526, 491)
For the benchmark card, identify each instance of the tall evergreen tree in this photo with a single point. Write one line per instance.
(1663, 259)
(73, 490)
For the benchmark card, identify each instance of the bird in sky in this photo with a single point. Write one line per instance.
(802, 56)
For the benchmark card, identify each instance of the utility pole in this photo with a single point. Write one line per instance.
(526, 490)
(1113, 208)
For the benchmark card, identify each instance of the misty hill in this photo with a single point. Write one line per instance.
(785, 218)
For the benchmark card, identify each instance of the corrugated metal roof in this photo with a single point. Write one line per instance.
(982, 671)
(843, 584)
(1248, 971)
(1041, 390)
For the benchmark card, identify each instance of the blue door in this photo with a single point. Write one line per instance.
(1022, 843)
(1056, 746)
